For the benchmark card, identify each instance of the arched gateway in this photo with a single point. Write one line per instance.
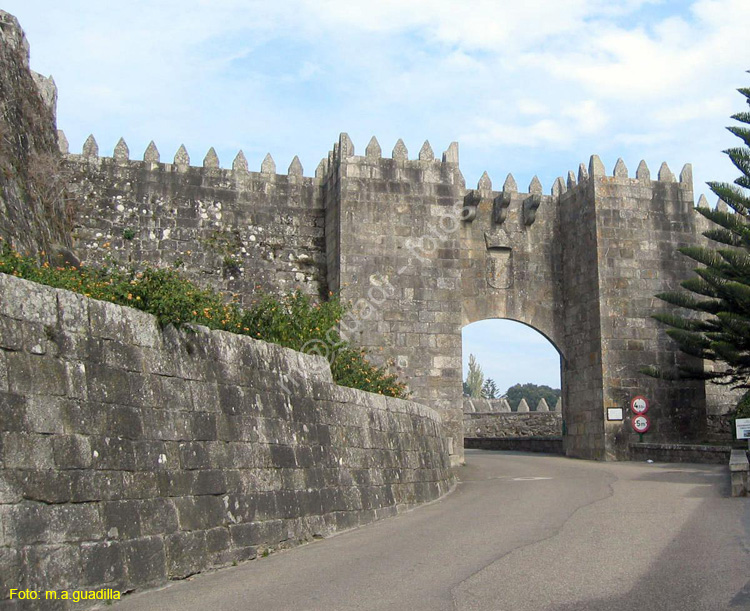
(422, 256)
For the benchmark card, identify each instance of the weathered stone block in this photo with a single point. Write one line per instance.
(102, 563)
(27, 451)
(200, 512)
(51, 567)
(146, 561)
(185, 551)
(122, 518)
(30, 374)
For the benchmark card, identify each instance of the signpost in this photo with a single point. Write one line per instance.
(639, 405)
(640, 422)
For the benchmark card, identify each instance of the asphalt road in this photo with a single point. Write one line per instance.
(520, 532)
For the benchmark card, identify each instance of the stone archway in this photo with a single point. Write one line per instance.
(510, 353)
(581, 265)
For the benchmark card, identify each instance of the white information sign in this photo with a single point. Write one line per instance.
(614, 413)
(742, 426)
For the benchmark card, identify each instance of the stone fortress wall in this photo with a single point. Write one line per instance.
(235, 230)
(494, 418)
(421, 256)
(130, 456)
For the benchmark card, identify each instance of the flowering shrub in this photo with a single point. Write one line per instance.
(293, 320)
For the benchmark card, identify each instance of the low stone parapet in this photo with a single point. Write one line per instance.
(739, 469)
(680, 452)
(512, 424)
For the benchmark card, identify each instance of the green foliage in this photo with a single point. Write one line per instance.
(532, 393)
(474, 379)
(718, 328)
(743, 406)
(293, 320)
(490, 389)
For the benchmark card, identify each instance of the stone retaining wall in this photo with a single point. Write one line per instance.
(512, 424)
(131, 455)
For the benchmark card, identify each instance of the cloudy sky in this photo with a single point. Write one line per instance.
(531, 87)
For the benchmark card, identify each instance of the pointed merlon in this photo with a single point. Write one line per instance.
(122, 153)
(211, 160)
(583, 174)
(151, 154)
(542, 406)
(90, 148)
(503, 406)
(643, 173)
(425, 153)
(535, 186)
(400, 151)
(62, 142)
(295, 168)
(268, 166)
(596, 167)
(451, 155)
(721, 206)
(522, 406)
(621, 170)
(665, 174)
(484, 184)
(346, 146)
(686, 176)
(373, 150)
(702, 202)
(240, 163)
(558, 405)
(510, 186)
(558, 187)
(571, 179)
(181, 157)
(322, 169)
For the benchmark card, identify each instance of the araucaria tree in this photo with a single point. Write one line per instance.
(718, 326)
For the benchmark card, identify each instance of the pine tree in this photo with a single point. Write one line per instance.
(489, 389)
(475, 378)
(717, 328)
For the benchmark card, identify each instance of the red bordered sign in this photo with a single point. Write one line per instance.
(639, 405)
(640, 423)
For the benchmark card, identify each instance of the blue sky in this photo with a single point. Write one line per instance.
(531, 87)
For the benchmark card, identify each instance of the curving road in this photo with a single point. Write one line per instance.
(520, 532)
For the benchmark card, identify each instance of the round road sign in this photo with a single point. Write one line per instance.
(639, 405)
(640, 423)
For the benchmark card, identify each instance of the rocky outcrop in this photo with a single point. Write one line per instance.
(32, 182)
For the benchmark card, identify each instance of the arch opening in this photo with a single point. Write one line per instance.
(519, 402)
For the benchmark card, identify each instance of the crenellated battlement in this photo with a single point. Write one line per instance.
(151, 162)
(425, 168)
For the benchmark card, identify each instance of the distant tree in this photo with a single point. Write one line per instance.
(489, 389)
(532, 393)
(475, 378)
(466, 389)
